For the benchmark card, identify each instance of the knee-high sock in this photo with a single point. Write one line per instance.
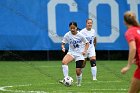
(82, 71)
(65, 70)
(79, 79)
(94, 71)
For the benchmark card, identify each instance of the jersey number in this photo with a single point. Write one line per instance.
(75, 45)
(90, 41)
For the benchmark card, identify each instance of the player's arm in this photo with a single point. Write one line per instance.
(131, 57)
(64, 41)
(63, 46)
(95, 41)
(132, 52)
(86, 48)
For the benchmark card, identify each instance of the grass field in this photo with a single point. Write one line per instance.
(43, 77)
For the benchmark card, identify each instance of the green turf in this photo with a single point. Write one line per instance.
(43, 77)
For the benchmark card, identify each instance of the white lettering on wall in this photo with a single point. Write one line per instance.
(52, 17)
(134, 6)
(92, 13)
(114, 19)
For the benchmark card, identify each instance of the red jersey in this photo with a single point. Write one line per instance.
(133, 33)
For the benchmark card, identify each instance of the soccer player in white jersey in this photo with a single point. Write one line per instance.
(90, 35)
(75, 40)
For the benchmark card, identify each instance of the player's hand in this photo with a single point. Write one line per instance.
(84, 52)
(134, 61)
(125, 69)
(63, 49)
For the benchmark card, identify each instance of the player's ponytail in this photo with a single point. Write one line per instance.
(78, 29)
(130, 18)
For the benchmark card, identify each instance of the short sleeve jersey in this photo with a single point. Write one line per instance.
(133, 33)
(90, 35)
(74, 41)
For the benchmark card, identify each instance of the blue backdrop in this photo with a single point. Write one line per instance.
(41, 24)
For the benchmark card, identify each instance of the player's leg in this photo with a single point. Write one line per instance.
(85, 60)
(67, 59)
(135, 86)
(93, 67)
(92, 56)
(79, 64)
(135, 83)
(84, 64)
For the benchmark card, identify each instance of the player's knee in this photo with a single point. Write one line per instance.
(79, 63)
(64, 62)
(78, 72)
(93, 63)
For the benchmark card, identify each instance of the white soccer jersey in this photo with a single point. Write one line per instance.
(75, 42)
(90, 35)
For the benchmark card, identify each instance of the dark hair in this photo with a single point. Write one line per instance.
(78, 29)
(130, 18)
(73, 23)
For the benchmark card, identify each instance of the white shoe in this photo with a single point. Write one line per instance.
(78, 85)
(94, 79)
(61, 81)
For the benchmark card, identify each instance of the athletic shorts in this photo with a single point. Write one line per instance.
(76, 56)
(91, 52)
(137, 73)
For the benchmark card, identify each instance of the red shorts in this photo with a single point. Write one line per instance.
(137, 73)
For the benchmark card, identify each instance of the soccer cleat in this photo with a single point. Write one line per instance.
(78, 85)
(94, 79)
(61, 81)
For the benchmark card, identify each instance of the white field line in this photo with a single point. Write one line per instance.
(88, 82)
(49, 66)
(122, 89)
(109, 81)
(102, 82)
(4, 88)
(22, 91)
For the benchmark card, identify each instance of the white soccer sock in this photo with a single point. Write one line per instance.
(81, 72)
(94, 71)
(65, 70)
(79, 79)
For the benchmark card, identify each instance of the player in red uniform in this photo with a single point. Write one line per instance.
(132, 36)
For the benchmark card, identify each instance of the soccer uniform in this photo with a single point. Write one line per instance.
(75, 44)
(90, 35)
(133, 33)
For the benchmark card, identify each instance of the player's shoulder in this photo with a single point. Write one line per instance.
(132, 30)
(68, 33)
(83, 30)
(79, 33)
(93, 30)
